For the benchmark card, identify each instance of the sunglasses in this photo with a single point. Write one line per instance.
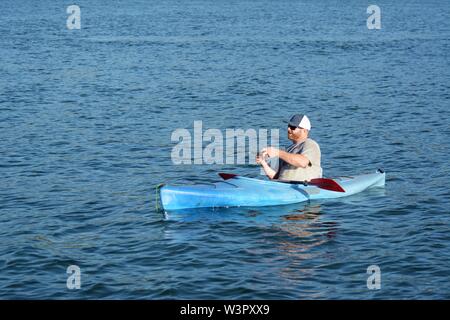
(292, 127)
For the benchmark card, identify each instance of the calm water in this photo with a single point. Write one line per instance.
(86, 118)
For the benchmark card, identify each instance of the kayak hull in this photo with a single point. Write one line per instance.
(243, 191)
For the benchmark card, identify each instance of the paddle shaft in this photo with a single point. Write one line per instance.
(322, 183)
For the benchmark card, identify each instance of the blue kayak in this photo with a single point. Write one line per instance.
(238, 191)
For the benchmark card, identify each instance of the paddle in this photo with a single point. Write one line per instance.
(322, 183)
(226, 176)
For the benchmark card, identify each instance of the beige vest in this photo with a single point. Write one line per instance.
(311, 150)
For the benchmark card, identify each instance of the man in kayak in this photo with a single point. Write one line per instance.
(301, 160)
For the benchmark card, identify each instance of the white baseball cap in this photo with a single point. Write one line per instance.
(300, 121)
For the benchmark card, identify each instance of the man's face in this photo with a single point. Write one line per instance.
(296, 133)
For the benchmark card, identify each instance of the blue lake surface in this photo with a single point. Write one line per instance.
(86, 118)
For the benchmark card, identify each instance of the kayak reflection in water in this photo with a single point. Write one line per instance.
(301, 160)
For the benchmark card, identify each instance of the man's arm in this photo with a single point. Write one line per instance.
(267, 169)
(297, 160)
(294, 159)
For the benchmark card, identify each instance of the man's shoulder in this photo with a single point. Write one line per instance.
(311, 143)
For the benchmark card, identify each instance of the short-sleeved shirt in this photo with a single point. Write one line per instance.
(311, 150)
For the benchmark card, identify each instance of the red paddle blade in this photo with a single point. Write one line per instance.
(327, 184)
(226, 176)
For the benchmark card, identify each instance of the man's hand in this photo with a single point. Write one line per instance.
(271, 152)
(261, 157)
